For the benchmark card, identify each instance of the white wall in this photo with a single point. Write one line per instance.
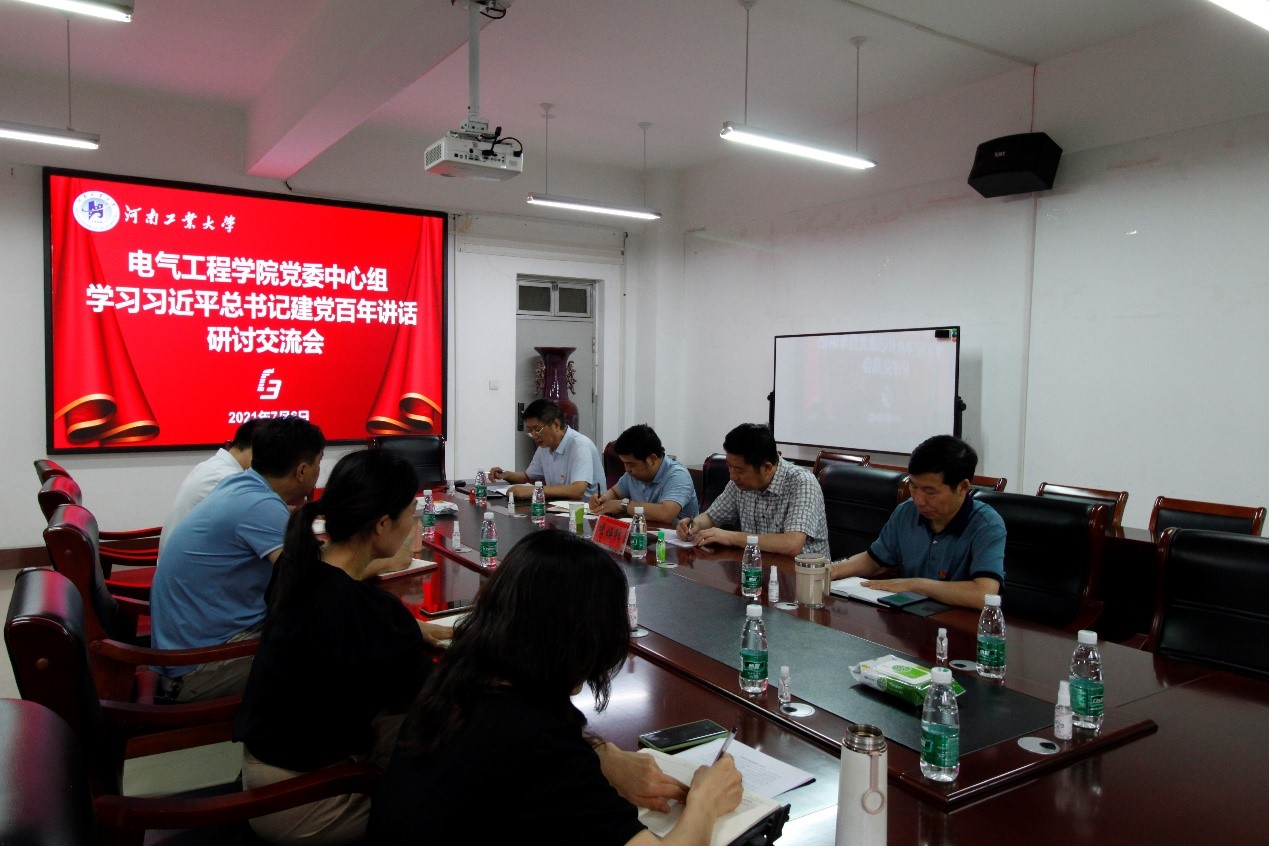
(1090, 356)
(172, 139)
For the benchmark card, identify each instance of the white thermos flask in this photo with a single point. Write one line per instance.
(861, 793)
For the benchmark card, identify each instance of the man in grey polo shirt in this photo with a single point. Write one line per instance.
(566, 461)
(945, 544)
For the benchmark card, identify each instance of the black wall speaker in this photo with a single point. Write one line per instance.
(1015, 164)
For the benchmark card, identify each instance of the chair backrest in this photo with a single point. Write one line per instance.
(1212, 604)
(75, 550)
(56, 491)
(46, 468)
(44, 633)
(426, 454)
(714, 477)
(858, 500)
(1210, 516)
(1113, 500)
(613, 468)
(43, 779)
(827, 456)
(988, 483)
(1053, 555)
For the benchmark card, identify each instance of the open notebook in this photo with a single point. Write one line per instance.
(754, 814)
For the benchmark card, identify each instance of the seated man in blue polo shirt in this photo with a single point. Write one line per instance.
(945, 544)
(566, 462)
(209, 587)
(661, 485)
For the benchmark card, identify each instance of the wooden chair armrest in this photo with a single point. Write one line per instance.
(177, 812)
(132, 716)
(126, 653)
(131, 534)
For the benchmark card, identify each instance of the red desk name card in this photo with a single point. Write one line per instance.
(611, 533)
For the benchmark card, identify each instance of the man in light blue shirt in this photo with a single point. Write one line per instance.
(566, 461)
(212, 574)
(661, 485)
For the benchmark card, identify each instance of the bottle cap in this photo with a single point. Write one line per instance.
(752, 540)
(537, 484)
(660, 534)
(753, 611)
(942, 633)
(631, 599)
(773, 571)
(992, 600)
(784, 670)
(1087, 638)
(941, 675)
(488, 515)
(1064, 693)
(638, 509)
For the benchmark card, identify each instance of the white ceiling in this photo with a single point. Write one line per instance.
(310, 71)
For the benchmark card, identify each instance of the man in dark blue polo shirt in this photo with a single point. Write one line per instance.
(945, 544)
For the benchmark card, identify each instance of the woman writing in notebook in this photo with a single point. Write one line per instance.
(340, 659)
(494, 751)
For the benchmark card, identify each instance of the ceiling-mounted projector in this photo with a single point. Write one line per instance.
(472, 151)
(475, 153)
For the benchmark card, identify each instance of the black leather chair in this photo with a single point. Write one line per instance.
(613, 468)
(1116, 501)
(714, 477)
(858, 500)
(45, 638)
(426, 454)
(1170, 513)
(988, 483)
(828, 457)
(43, 779)
(1212, 604)
(1053, 558)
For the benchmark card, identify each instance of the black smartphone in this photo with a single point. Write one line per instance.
(898, 600)
(674, 738)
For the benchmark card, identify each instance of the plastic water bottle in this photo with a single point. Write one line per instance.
(537, 507)
(991, 639)
(638, 535)
(753, 652)
(751, 568)
(940, 729)
(1086, 682)
(773, 586)
(488, 541)
(482, 488)
(940, 647)
(1063, 718)
(429, 516)
(660, 547)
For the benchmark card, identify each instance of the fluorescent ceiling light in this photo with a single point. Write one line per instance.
(592, 206)
(48, 135)
(783, 144)
(1256, 11)
(111, 10)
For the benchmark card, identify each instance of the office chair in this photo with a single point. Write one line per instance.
(426, 454)
(1169, 513)
(858, 500)
(1113, 500)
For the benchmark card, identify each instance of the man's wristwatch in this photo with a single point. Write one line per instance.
(625, 506)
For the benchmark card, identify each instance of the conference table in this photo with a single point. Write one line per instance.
(1176, 761)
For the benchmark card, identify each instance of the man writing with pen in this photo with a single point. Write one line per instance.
(767, 496)
(661, 485)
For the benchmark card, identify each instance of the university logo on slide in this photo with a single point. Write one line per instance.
(96, 211)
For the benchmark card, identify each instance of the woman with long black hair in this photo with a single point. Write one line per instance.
(340, 659)
(494, 751)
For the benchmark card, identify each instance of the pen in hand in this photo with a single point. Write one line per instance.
(723, 749)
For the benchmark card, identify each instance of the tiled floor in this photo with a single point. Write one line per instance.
(187, 769)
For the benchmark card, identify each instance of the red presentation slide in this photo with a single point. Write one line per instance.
(177, 312)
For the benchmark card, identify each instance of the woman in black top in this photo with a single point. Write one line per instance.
(493, 751)
(339, 659)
